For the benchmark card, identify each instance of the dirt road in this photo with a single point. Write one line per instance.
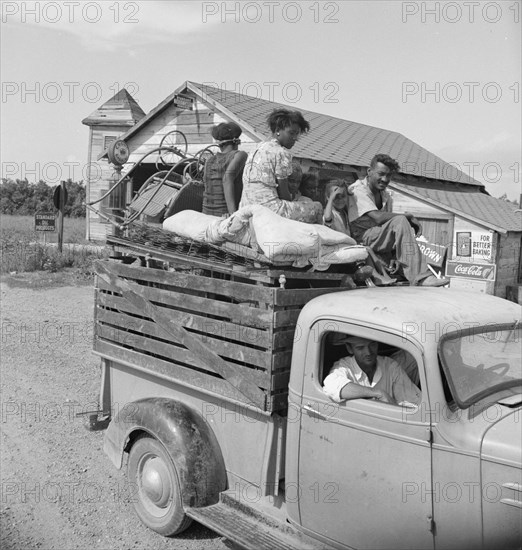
(58, 489)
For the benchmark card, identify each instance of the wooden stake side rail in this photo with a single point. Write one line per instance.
(228, 333)
(260, 272)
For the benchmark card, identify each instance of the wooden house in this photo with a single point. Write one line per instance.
(477, 237)
(106, 123)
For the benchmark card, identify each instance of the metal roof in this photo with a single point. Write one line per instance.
(497, 214)
(340, 141)
(331, 139)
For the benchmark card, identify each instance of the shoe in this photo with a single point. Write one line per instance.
(347, 282)
(434, 281)
(363, 273)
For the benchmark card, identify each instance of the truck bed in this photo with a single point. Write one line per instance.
(200, 316)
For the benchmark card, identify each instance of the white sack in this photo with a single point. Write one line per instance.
(190, 224)
(280, 238)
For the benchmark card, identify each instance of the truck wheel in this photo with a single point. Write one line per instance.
(158, 494)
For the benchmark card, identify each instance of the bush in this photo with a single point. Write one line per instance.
(23, 198)
(22, 252)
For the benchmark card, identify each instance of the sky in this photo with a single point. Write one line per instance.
(447, 75)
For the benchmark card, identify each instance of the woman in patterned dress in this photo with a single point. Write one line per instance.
(265, 177)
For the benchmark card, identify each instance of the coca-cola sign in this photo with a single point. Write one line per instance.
(471, 270)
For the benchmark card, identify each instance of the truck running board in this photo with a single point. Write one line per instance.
(248, 531)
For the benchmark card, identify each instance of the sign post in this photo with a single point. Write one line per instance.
(59, 200)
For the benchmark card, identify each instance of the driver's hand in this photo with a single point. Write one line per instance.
(385, 397)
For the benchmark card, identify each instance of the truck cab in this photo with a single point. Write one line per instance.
(444, 474)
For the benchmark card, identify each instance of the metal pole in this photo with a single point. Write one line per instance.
(60, 216)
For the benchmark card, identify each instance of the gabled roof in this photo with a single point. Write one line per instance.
(496, 214)
(119, 110)
(331, 139)
(341, 141)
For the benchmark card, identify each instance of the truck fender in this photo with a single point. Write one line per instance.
(187, 437)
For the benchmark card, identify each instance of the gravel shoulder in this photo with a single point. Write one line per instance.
(58, 488)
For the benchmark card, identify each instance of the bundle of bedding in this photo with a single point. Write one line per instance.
(278, 238)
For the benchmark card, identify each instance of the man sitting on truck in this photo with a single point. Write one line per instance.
(388, 234)
(364, 374)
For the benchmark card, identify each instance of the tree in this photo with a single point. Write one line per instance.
(24, 198)
(504, 197)
(75, 199)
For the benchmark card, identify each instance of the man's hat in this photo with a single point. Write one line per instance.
(339, 339)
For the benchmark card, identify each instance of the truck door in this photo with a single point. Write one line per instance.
(364, 466)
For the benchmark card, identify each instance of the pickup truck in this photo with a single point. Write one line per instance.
(212, 383)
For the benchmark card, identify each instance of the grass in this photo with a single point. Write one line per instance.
(73, 229)
(25, 250)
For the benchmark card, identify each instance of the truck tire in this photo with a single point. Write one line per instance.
(152, 473)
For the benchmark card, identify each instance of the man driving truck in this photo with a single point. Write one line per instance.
(365, 374)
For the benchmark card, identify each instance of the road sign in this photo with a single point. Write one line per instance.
(56, 196)
(44, 221)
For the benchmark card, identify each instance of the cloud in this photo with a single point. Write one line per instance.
(113, 25)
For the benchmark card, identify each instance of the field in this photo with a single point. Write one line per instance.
(23, 249)
(23, 226)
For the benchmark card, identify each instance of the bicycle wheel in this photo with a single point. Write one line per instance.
(173, 146)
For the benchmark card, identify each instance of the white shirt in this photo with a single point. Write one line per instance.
(388, 377)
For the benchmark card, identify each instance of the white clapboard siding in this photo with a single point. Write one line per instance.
(405, 203)
(196, 125)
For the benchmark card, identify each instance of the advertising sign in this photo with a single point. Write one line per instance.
(44, 221)
(475, 245)
(183, 102)
(434, 253)
(484, 272)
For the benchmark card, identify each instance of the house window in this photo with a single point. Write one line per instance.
(107, 140)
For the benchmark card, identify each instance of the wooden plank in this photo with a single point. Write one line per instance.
(177, 279)
(286, 318)
(154, 366)
(140, 250)
(169, 352)
(300, 297)
(313, 276)
(236, 351)
(278, 402)
(216, 327)
(238, 313)
(233, 375)
(284, 339)
(281, 360)
(280, 380)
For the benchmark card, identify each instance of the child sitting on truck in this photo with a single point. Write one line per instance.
(311, 211)
(336, 217)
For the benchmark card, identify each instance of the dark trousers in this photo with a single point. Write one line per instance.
(395, 239)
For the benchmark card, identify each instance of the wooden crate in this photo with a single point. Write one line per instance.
(227, 332)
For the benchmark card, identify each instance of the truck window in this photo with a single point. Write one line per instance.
(343, 354)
